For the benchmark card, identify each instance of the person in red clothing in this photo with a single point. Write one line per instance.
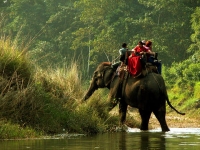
(153, 59)
(138, 58)
(140, 49)
(148, 45)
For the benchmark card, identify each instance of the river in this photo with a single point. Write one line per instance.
(133, 139)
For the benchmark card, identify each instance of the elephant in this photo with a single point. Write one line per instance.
(147, 93)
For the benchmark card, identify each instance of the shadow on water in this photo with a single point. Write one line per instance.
(133, 139)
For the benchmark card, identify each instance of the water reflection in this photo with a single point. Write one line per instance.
(177, 138)
(141, 141)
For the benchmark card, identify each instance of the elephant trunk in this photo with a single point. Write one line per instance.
(90, 91)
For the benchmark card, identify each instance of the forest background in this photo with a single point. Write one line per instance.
(56, 33)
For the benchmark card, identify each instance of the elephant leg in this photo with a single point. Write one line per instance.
(160, 115)
(114, 95)
(145, 116)
(122, 112)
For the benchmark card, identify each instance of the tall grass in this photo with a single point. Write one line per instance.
(47, 101)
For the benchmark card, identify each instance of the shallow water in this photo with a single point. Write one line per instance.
(133, 139)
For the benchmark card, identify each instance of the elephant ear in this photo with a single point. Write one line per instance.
(108, 76)
(97, 74)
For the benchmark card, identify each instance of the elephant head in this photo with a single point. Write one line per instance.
(101, 78)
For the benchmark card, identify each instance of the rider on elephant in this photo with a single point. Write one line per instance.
(153, 59)
(137, 60)
(140, 49)
(123, 54)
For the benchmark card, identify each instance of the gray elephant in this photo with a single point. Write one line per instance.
(147, 93)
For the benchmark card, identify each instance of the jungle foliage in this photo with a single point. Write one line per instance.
(92, 31)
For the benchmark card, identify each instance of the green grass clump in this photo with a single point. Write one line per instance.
(196, 90)
(9, 130)
(93, 114)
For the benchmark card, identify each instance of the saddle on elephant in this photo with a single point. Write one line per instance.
(138, 65)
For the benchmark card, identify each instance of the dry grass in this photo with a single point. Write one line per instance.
(46, 100)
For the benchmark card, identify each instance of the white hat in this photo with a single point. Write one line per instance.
(143, 41)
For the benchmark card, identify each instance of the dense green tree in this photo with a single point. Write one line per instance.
(44, 26)
(106, 26)
(26, 19)
(195, 37)
(172, 29)
(95, 29)
(57, 31)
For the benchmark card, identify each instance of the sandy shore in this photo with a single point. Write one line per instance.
(173, 119)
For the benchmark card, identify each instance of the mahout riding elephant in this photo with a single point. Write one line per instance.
(147, 93)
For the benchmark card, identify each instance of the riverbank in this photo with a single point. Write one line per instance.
(174, 120)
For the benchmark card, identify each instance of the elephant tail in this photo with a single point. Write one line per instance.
(168, 102)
